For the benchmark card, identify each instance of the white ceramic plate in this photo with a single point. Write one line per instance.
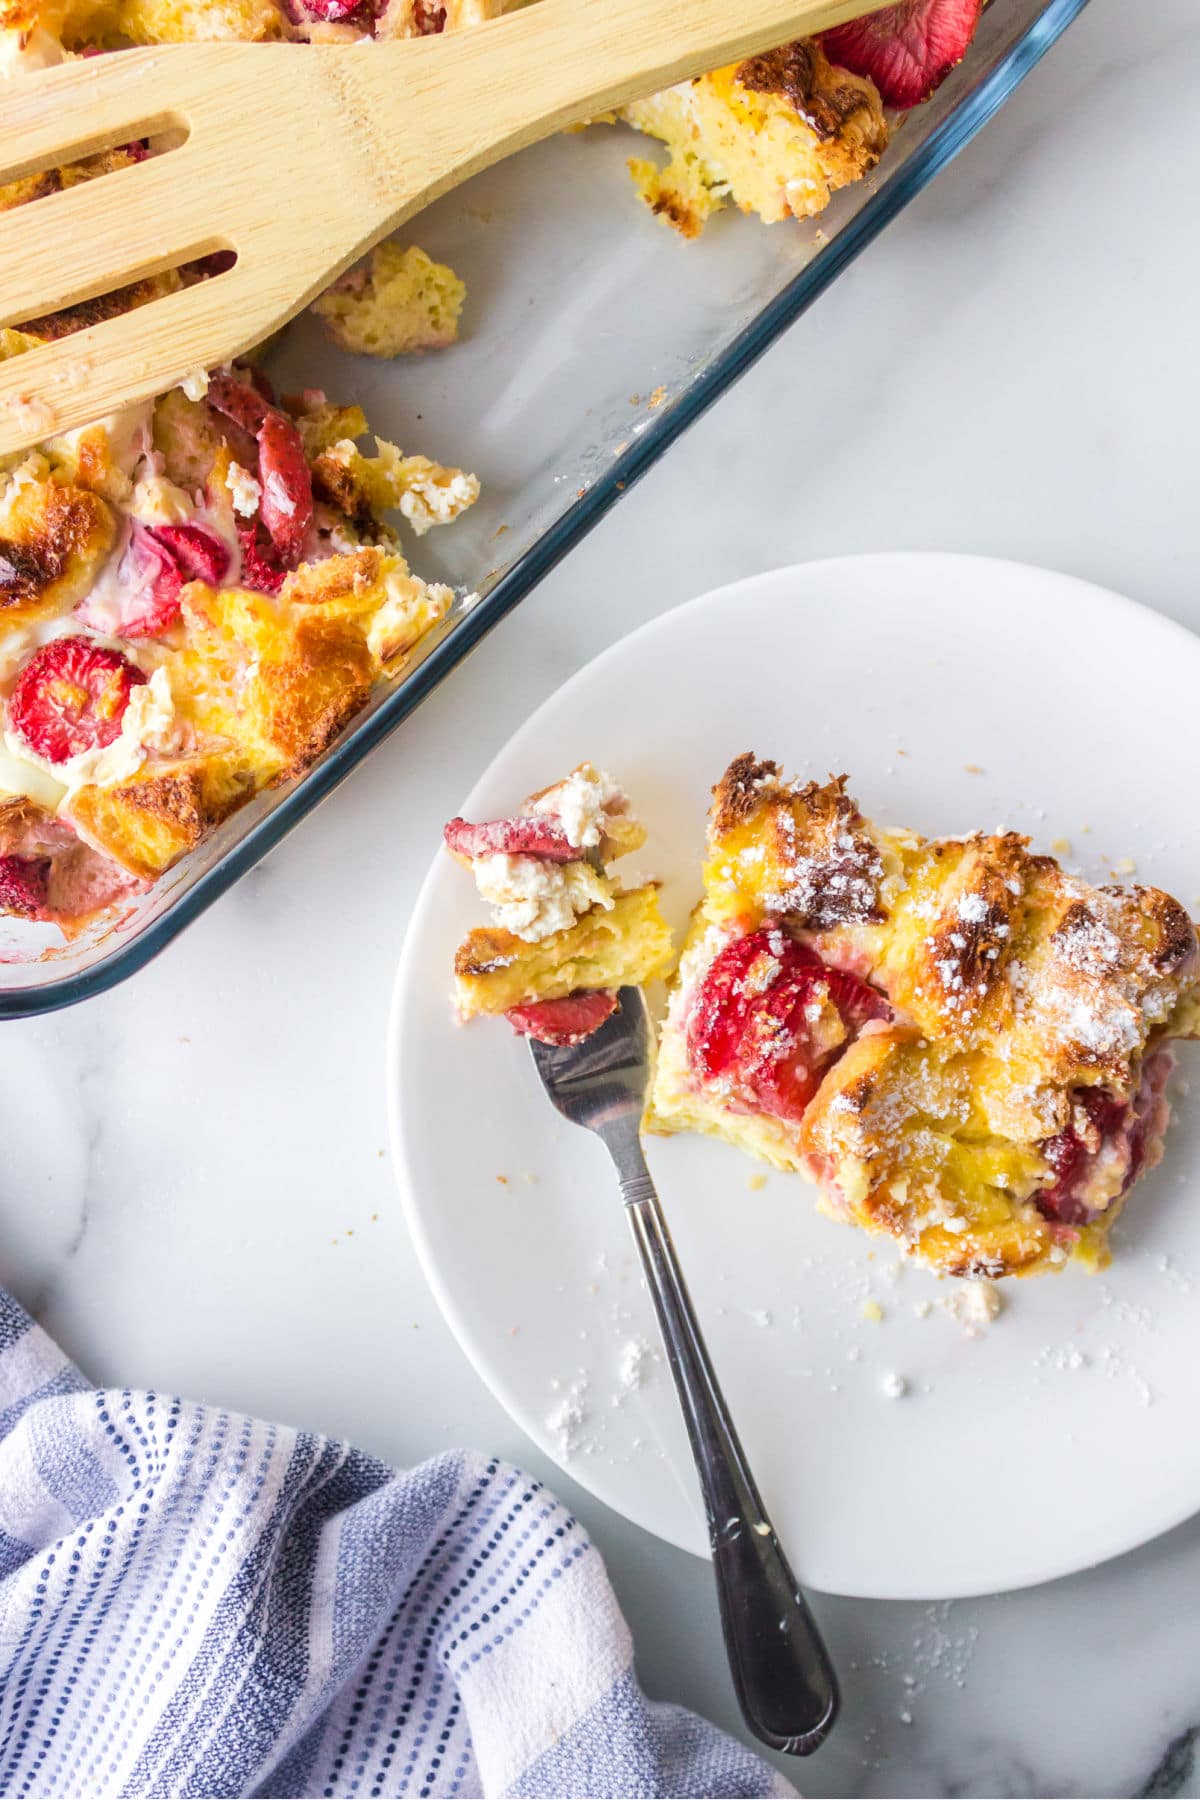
(958, 693)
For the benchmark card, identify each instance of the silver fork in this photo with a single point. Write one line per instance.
(784, 1679)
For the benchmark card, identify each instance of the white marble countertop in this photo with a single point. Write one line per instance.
(194, 1192)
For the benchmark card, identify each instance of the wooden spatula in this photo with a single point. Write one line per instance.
(297, 158)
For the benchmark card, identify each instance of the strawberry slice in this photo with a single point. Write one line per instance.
(719, 1015)
(907, 50)
(525, 836)
(146, 602)
(156, 562)
(1067, 1156)
(70, 697)
(286, 508)
(771, 1017)
(287, 497)
(1071, 1156)
(793, 1033)
(23, 884)
(566, 1021)
(199, 555)
(244, 405)
(261, 567)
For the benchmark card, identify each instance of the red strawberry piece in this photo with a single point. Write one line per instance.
(566, 1021)
(23, 884)
(1071, 1155)
(147, 591)
(771, 1017)
(1067, 1155)
(718, 1019)
(286, 508)
(70, 697)
(261, 567)
(1107, 1112)
(157, 561)
(907, 50)
(330, 11)
(287, 500)
(307, 12)
(530, 835)
(244, 405)
(199, 555)
(429, 17)
(857, 1001)
(781, 1065)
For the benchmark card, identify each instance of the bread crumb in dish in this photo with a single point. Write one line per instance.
(398, 302)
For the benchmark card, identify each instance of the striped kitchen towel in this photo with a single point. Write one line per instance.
(192, 1602)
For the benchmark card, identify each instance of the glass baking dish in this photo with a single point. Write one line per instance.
(593, 337)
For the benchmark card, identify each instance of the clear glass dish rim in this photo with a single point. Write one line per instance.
(942, 145)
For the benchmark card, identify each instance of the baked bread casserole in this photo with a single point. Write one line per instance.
(964, 1047)
(197, 596)
(566, 935)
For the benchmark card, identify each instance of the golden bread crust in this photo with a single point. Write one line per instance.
(148, 823)
(53, 541)
(777, 135)
(304, 699)
(828, 99)
(778, 847)
(607, 948)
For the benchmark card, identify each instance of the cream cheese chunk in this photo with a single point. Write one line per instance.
(533, 898)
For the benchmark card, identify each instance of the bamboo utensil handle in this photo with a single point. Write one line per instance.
(297, 159)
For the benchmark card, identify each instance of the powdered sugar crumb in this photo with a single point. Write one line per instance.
(568, 1420)
(634, 1363)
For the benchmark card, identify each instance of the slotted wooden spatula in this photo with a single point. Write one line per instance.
(297, 158)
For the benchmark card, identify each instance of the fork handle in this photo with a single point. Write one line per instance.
(784, 1679)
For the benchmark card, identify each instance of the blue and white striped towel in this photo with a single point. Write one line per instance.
(195, 1603)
